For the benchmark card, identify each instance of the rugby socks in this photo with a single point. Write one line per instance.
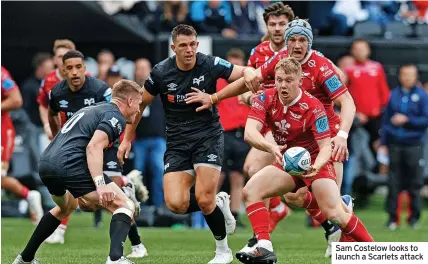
(24, 192)
(193, 204)
(310, 202)
(119, 229)
(44, 229)
(355, 229)
(215, 221)
(259, 219)
(133, 235)
(274, 202)
(320, 218)
(64, 223)
(97, 217)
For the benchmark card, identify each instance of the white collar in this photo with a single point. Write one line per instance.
(285, 107)
(270, 47)
(306, 58)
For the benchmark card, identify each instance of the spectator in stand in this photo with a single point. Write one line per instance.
(212, 17)
(174, 12)
(42, 65)
(142, 70)
(346, 14)
(105, 60)
(369, 88)
(149, 145)
(422, 10)
(404, 125)
(113, 76)
(233, 116)
(244, 17)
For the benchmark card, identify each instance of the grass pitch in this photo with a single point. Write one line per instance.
(293, 242)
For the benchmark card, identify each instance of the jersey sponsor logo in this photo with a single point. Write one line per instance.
(322, 125)
(113, 121)
(262, 97)
(8, 84)
(304, 106)
(222, 62)
(69, 114)
(333, 83)
(327, 73)
(295, 116)
(62, 103)
(111, 165)
(107, 94)
(257, 106)
(324, 67)
(181, 98)
(172, 87)
(212, 157)
(89, 101)
(198, 80)
(283, 126)
(171, 98)
(312, 63)
(318, 112)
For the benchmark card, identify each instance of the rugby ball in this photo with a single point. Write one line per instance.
(296, 161)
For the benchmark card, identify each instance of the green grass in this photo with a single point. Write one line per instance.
(293, 242)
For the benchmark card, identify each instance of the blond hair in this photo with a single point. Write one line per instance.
(124, 88)
(63, 43)
(289, 66)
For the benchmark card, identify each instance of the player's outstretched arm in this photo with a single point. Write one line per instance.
(12, 101)
(54, 122)
(207, 100)
(125, 146)
(322, 158)
(347, 114)
(253, 137)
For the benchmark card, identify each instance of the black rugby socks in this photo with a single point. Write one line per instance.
(215, 221)
(119, 228)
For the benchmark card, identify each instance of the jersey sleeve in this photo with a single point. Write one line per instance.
(329, 80)
(259, 109)
(268, 68)
(220, 68)
(7, 83)
(112, 124)
(153, 84)
(53, 101)
(319, 122)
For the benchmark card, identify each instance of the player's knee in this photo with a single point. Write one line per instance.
(206, 202)
(250, 195)
(177, 206)
(252, 169)
(86, 206)
(332, 214)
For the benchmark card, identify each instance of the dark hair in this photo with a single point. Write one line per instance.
(183, 29)
(40, 58)
(278, 9)
(72, 54)
(235, 53)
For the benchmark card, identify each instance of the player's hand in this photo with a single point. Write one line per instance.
(106, 195)
(123, 151)
(251, 80)
(197, 96)
(311, 172)
(277, 152)
(48, 131)
(340, 149)
(399, 119)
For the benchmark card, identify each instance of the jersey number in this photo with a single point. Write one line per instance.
(71, 122)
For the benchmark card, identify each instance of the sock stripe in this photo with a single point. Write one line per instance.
(355, 226)
(252, 212)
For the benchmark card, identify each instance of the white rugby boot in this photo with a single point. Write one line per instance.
(122, 260)
(138, 251)
(35, 208)
(19, 260)
(222, 257)
(223, 202)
